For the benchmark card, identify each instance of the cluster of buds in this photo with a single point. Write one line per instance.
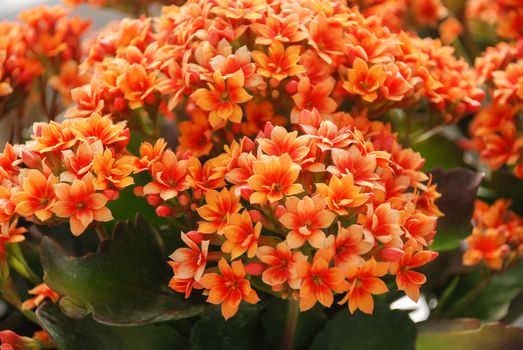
(497, 238)
(495, 130)
(67, 172)
(328, 209)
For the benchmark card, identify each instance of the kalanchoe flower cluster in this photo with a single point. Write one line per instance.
(242, 61)
(326, 210)
(40, 54)
(68, 171)
(497, 238)
(505, 15)
(496, 129)
(401, 14)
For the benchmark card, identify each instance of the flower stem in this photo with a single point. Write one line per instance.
(293, 313)
(100, 231)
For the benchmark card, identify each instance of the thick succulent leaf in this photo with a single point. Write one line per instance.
(468, 334)
(124, 282)
(87, 334)
(385, 329)
(458, 189)
(493, 298)
(275, 316)
(241, 332)
(439, 152)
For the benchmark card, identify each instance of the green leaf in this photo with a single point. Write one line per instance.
(458, 189)
(468, 334)
(384, 329)
(124, 282)
(492, 302)
(87, 334)
(238, 333)
(439, 152)
(275, 316)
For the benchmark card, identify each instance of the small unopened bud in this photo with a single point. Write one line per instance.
(111, 195)
(154, 200)
(163, 211)
(138, 191)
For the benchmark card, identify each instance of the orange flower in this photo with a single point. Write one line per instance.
(348, 245)
(81, 204)
(384, 223)
(280, 63)
(69, 78)
(229, 288)
(169, 177)
(87, 100)
(241, 235)
(318, 282)
(53, 137)
(98, 127)
(258, 114)
(282, 266)
(311, 96)
(364, 283)
(421, 227)
(137, 85)
(37, 197)
(273, 179)
(41, 292)
(362, 167)
(222, 98)
(237, 9)
(281, 141)
(190, 262)
(341, 195)
(279, 29)
(407, 280)
(111, 171)
(217, 210)
(364, 81)
(80, 162)
(150, 154)
(428, 12)
(489, 245)
(306, 218)
(195, 135)
(208, 177)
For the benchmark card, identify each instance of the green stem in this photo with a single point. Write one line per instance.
(17, 262)
(293, 314)
(100, 231)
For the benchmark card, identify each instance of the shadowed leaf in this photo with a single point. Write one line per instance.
(86, 334)
(384, 329)
(468, 334)
(458, 189)
(124, 282)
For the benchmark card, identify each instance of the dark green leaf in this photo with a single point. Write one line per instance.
(439, 152)
(492, 301)
(124, 282)
(468, 334)
(87, 334)
(458, 189)
(275, 316)
(385, 329)
(239, 332)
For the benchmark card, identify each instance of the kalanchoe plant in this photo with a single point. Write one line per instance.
(261, 174)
